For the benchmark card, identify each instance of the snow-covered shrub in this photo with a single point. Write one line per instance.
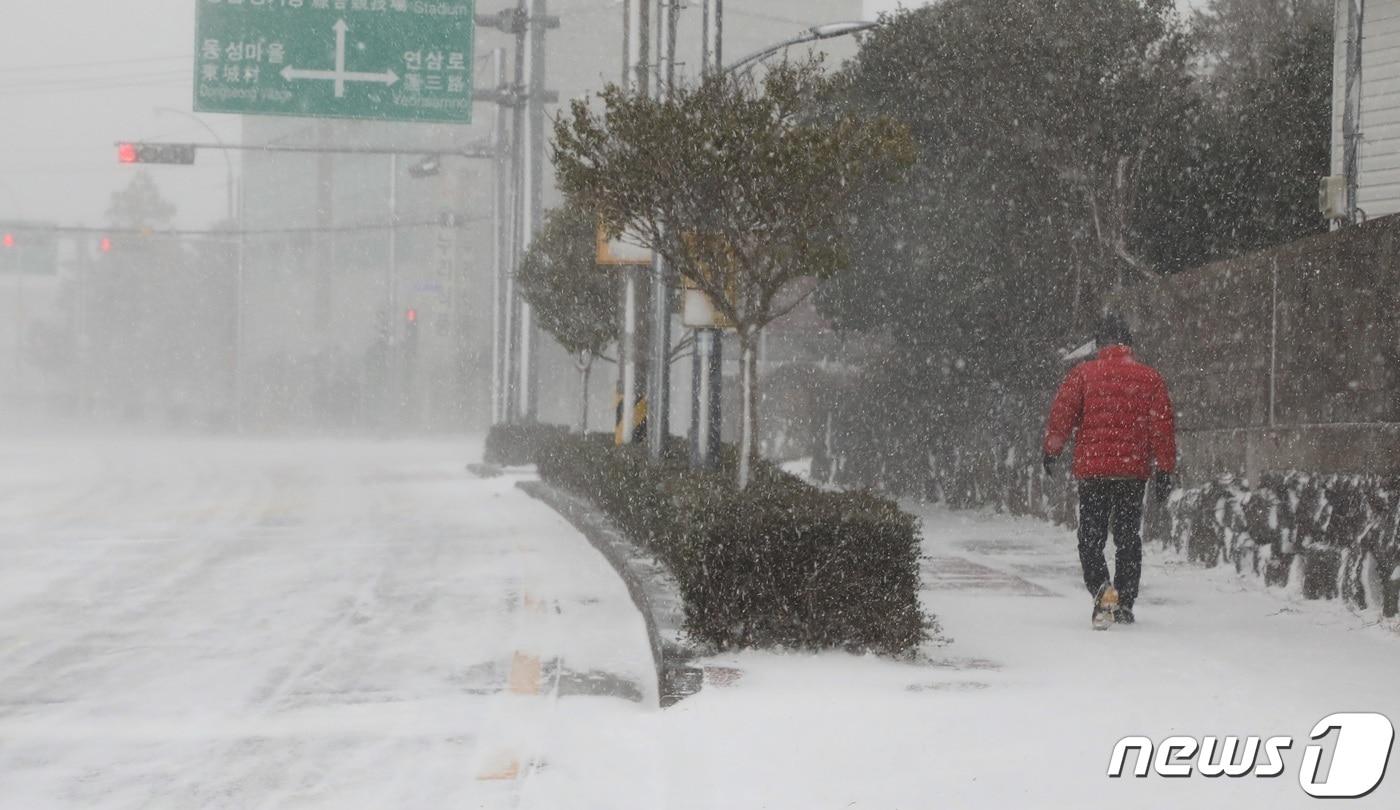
(780, 564)
(1324, 537)
(516, 445)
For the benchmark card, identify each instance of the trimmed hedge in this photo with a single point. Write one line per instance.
(781, 564)
(517, 445)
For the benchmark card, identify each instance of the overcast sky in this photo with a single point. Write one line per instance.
(77, 75)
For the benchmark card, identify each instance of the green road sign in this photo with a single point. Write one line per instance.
(27, 250)
(385, 60)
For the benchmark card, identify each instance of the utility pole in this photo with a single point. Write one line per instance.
(659, 379)
(712, 29)
(18, 270)
(513, 228)
(539, 23)
(501, 278)
(239, 320)
(519, 28)
(636, 47)
(1351, 113)
(532, 22)
(706, 414)
(397, 359)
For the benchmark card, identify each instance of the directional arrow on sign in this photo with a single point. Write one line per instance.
(340, 75)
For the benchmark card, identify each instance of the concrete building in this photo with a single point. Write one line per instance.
(327, 279)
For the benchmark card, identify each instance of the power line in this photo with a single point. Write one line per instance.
(10, 82)
(91, 230)
(483, 151)
(87, 88)
(31, 170)
(758, 15)
(102, 63)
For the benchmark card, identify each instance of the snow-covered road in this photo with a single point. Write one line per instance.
(305, 624)
(348, 625)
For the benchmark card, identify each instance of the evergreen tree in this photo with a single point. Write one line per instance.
(741, 187)
(574, 299)
(1035, 121)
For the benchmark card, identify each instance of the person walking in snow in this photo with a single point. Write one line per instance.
(1120, 416)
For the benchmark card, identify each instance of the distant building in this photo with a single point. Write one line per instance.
(320, 255)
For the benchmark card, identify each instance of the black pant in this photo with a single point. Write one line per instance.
(1115, 502)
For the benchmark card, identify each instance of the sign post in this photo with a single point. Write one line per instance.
(382, 60)
(706, 419)
(634, 260)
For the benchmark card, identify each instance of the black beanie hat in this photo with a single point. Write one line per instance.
(1113, 330)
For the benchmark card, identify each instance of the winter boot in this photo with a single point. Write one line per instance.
(1125, 615)
(1105, 606)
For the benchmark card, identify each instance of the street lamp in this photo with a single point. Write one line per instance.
(14, 198)
(707, 357)
(238, 314)
(813, 34)
(228, 162)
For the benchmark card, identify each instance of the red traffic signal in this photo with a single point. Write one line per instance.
(105, 245)
(179, 154)
(411, 316)
(8, 240)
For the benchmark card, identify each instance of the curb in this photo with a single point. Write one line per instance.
(653, 589)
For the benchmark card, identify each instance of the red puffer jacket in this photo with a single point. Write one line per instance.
(1120, 415)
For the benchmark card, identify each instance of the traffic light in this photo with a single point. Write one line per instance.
(28, 248)
(410, 334)
(175, 154)
(427, 167)
(105, 244)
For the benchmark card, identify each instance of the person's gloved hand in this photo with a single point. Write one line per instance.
(1049, 462)
(1162, 486)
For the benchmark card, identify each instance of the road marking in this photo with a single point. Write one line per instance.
(505, 771)
(525, 674)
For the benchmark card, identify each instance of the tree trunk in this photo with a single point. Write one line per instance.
(585, 370)
(748, 437)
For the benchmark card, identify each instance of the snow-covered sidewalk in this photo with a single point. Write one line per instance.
(1022, 706)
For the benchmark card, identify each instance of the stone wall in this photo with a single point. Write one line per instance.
(1287, 359)
(1284, 367)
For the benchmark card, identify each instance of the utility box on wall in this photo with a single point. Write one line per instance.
(1332, 197)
